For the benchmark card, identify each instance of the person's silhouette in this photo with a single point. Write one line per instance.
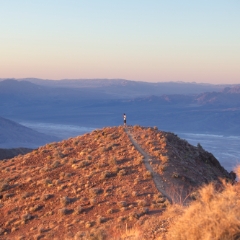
(124, 119)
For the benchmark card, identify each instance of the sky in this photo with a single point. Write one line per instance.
(152, 41)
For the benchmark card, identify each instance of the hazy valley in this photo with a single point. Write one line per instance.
(69, 108)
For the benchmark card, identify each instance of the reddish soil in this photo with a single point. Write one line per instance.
(75, 188)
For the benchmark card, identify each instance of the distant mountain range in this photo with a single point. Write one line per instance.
(14, 135)
(118, 88)
(181, 107)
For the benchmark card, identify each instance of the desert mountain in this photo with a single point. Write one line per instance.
(26, 90)
(14, 135)
(100, 182)
(10, 153)
(122, 88)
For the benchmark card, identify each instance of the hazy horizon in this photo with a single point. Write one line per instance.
(155, 41)
(76, 79)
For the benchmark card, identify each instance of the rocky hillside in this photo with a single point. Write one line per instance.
(101, 182)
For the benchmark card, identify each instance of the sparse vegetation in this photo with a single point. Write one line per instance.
(77, 188)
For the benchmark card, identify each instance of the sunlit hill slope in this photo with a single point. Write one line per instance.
(93, 186)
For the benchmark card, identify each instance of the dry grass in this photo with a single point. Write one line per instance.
(215, 215)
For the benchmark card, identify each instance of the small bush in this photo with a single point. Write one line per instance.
(110, 211)
(134, 194)
(112, 161)
(65, 201)
(63, 211)
(27, 217)
(27, 195)
(47, 196)
(142, 203)
(148, 175)
(101, 219)
(84, 163)
(93, 201)
(164, 158)
(4, 186)
(55, 164)
(106, 175)
(35, 208)
(122, 172)
(122, 204)
(78, 210)
(95, 191)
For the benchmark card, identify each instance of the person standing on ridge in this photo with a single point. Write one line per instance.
(124, 119)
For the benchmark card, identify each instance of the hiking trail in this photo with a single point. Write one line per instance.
(158, 181)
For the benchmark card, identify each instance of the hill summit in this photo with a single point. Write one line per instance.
(103, 180)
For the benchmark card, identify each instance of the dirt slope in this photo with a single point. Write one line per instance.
(98, 181)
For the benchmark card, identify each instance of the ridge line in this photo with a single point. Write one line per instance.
(156, 179)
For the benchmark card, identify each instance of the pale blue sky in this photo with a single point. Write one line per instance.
(138, 40)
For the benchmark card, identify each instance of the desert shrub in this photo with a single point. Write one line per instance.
(136, 181)
(84, 163)
(89, 157)
(78, 210)
(47, 196)
(27, 217)
(27, 195)
(199, 146)
(162, 168)
(58, 155)
(47, 181)
(73, 160)
(142, 203)
(8, 195)
(56, 164)
(215, 215)
(88, 224)
(134, 194)
(103, 149)
(101, 219)
(94, 234)
(147, 175)
(133, 215)
(122, 172)
(35, 208)
(93, 201)
(112, 161)
(139, 160)
(136, 127)
(164, 158)
(110, 211)
(122, 204)
(61, 175)
(4, 186)
(65, 200)
(175, 175)
(95, 191)
(63, 211)
(67, 175)
(106, 174)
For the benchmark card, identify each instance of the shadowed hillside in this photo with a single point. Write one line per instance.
(10, 153)
(96, 184)
(14, 135)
